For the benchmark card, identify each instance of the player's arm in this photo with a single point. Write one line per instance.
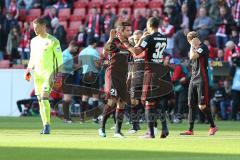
(30, 66)
(107, 47)
(195, 51)
(58, 55)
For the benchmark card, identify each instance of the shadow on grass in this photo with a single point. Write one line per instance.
(25, 153)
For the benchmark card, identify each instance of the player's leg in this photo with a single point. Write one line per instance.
(192, 106)
(66, 103)
(203, 104)
(162, 113)
(84, 106)
(119, 117)
(109, 108)
(95, 106)
(135, 115)
(150, 111)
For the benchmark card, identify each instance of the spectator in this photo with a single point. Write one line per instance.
(81, 36)
(167, 30)
(61, 4)
(12, 45)
(2, 17)
(138, 22)
(185, 19)
(149, 13)
(234, 36)
(109, 20)
(2, 42)
(220, 55)
(59, 32)
(13, 9)
(123, 16)
(224, 23)
(28, 103)
(192, 12)
(175, 18)
(235, 72)
(51, 15)
(24, 45)
(26, 4)
(10, 23)
(180, 79)
(220, 102)
(231, 48)
(211, 49)
(180, 45)
(93, 25)
(156, 13)
(203, 24)
(236, 12)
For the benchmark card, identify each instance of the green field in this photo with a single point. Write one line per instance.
(20, 139)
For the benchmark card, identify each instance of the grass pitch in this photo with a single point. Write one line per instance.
(20, 140)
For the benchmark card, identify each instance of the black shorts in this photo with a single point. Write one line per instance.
(90, 83)
(154, 88)
(115, 84)
(198, 93)
(136, 80)
(67, 83)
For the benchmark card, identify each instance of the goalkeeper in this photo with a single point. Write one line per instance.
(45, 59)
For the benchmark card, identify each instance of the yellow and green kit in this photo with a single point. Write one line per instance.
(45, 59)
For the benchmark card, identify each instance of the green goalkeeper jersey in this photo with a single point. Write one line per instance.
(45, 56)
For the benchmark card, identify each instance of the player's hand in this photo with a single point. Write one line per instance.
(27, 75)
(146, 33)
(44, 95)
(195, 42)
(112, 34)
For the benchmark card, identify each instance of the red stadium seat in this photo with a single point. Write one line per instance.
(64, 14)
(22, 15)
(76, 18)
(95, 5)
(35, 12)
(71, 33)
(46, 11)
(80, 4)
(139, 4)
(74, 24)
(155, 4)
(18, 66)
(79, 12)
(128, 1)
(65, 24)
(4, 64)
(30, 18)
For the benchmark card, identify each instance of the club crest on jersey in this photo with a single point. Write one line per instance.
(199, 50)
(58, 49)
(143, 44)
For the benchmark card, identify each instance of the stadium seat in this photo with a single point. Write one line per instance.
(22, 15)
(65, 24)
(71, 34)
(35, 12)
(155, 4)
(80, 12)
(46, 11)
(74, 24)
(30, 18)
(80, 4)
(18, 66)
(76, 18)
(96, 4)
(127, 1)
(4, 64)
(64, 14)
(137, 4)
